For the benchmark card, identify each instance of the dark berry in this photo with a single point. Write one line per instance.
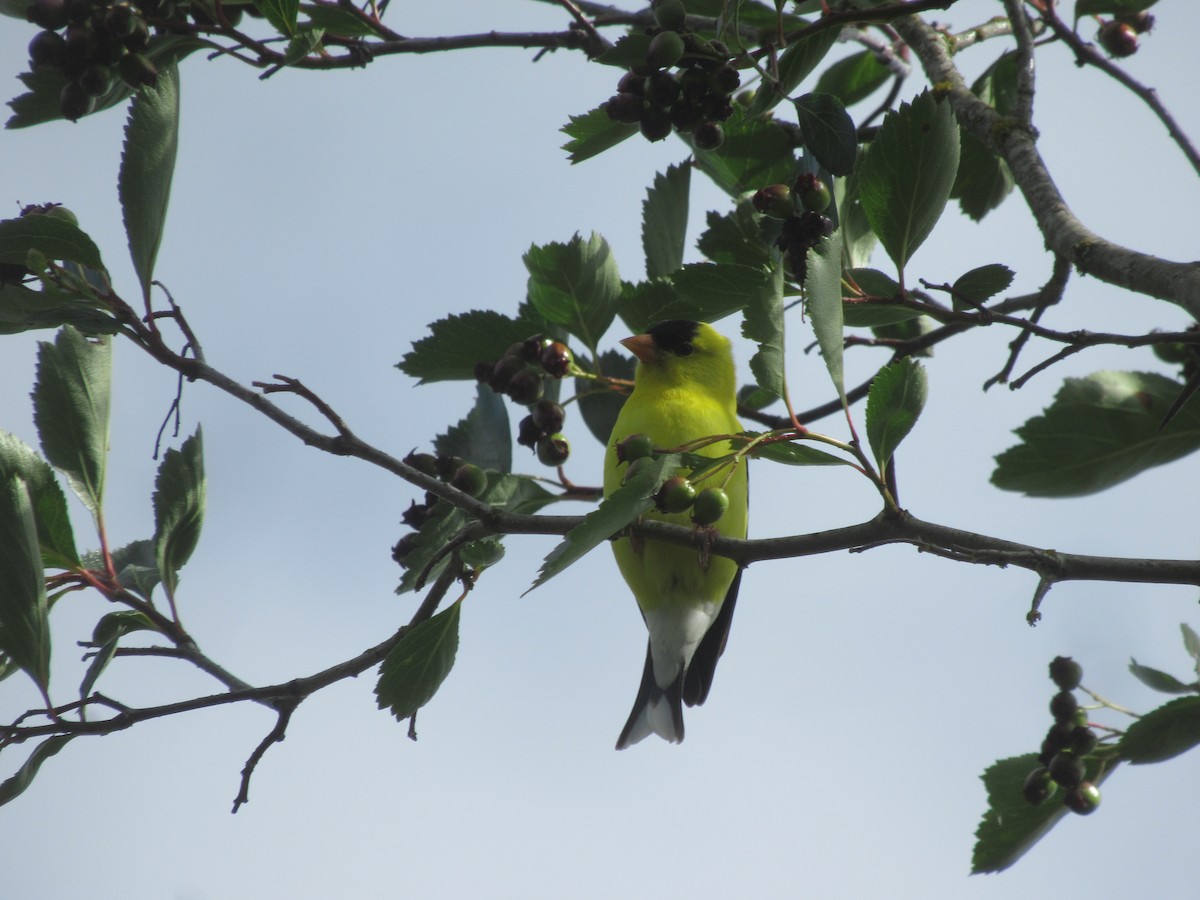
(631, 84)
(529, 432)
(708, 135)
(1063, 706)
(79, 47)
(656, 124)
(483, 371)
(725, 78)
(531, 348)
(1118, 39)
(525, 387)
(1067, 769)
(720, 48)
(96, 80)
(556, 359)
(404, 547)
(1083, 740)
(1141, 22)
(1066, 673)
(470, 479)
(47, 49)
(416, 515)
(775, 200)
(139, 36)
(548, 416)
(446, 465)
(48, 14)
(1038, 785)
(685, 115)
(665, 50)
(1057, 738)
(503, 372)
(675, 496)
(711, 504)
(1084, 800)
(553, 450)
(625, 108)
(661, 89)
(74, 102)
(669, 14)
(716, 107)
(119, 19)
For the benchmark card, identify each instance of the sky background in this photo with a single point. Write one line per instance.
(318, 222)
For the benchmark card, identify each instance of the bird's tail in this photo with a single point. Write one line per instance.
(656, 710)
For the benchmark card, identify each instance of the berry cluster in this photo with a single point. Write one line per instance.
(16, 273)
(1119, 36)
(800, 207)
(520, 374)
(1065, 750)
(467, 477)
(694, 98)
(677, 494)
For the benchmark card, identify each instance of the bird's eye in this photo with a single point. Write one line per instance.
(675, 336)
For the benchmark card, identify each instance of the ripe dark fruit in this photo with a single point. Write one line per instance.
(1063, 706)
(1038, 785)
(74, 102)
(1083, 740)
(119, 19)
(726, 79)
(504, 371)
(708, 135)
(404, 547)
(531, 348)
(96, 80)
(661, 89)
(48, 14)
(656, 124)
(1084, 800)
(1057, 738)
(711, 504)
(556, 359)
(631, 84)
(636, 446)
(548, 416)
(1118, 39)
(525, 387)
(470, 479)
(625, 108)
(676, 495)
(483, 371)
(47, 49)
(670, 14)
(1141, 22)
(814, 193)
(1066, 673)
(137, 70)
(665, 50)
(553, 450)
(79, 46)
(529, 432)
(139, 35)
(775, 200)
(685, 116)
(1067, 769)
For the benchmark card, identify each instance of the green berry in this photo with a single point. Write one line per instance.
(635, 467)
(36, 261)
(425, 463)
(1066, 673)
(470, 479)
(1038, 785)
(553, 450)
(676, 495)
(58, 211)
(813, 192)
(775, 200)
(711, 504)
(636, 446)
(1084, 800)
(665, 50)
(669, 14)
(485, 552)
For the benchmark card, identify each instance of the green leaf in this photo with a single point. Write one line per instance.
(600, 406)
(664, 220)
(419, 663)
(981, 284)
(1103, 7)
(22, 309)
(24, 627)
(456, 343)
(858, 240)
(280, 13)
(1099, 431)
(54, 237)
(1163, 733)
(483, 437)
(754, 153)
(575, 285)
(906, 176)
(894, 404)
(629, 51)
(136, 568)
(1191, 642)
(147, 166)
(1158, 680)
(71, 410)
(983, 179)
(15, 8)
(865, 309)
(179, 495)
(1012, 824)
(763, 324)
(335, 20)
(105, 637)
(647, 302)
(593, 133)
(823, 290)
(793, 454)
(711, 291)
(305, 42)
(23, 777)
(56, 539)
(735, 238)
(795, 64)
(829, 132)
(616, 511)
(854, 78)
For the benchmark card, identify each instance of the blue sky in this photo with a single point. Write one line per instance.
(318, 222)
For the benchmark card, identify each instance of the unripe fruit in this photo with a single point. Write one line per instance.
(470, 479)
(526, 387)
(1084, 800)
(1118, 39)
(625, 108)
(556, 359)
(549, 416)
(1141, 22)
(670, 14)
(478, 554)
(36, 261)
(775, 200)
(814, 193)
(636, 466)
(1063, 706)
(636, 446)
(47, 49)
(665, 50)
(425, 463)
(711, 504)
(708, 135)
(553, 450)
(1038, 785)
(1066, 673)
(1067, 769)
(676, 495)
(447, 465)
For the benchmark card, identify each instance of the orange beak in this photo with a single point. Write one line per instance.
(642, 346)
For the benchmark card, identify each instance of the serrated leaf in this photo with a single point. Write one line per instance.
(828, 131)
(1158, 680)
(981, 284)
(179, 498)
(134, 564)
(24, 627)
(793, 454)
(56, 540)
(1012, 824)
(1099, 431)
(601, 406)
(907, 174)
(13, 787)
(280, 13)
(711, 291)
(795, 64)
(1191, 642)
(306, 41)
(593, 133)
(1105, 7)
(763, 324)
(482, 553)
(1163, 733)
(456, 343)
(147, 167)
(335, 20)
(858, 240)
(616, 511)
(419, 663)
(575, 285)
(647, 302)
(54, 237)
(862, 306)
(854, 78)
(22, 309)
(71, 410)
(664, 220)
(735, 237)
(628, 51)
(823, 293)
(755, 152)
(105, 637)
(483, 436)
(894, 403)
(983, 179)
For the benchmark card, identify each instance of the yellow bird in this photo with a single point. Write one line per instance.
(684, 389)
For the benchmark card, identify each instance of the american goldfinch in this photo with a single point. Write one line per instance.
(684, 389)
